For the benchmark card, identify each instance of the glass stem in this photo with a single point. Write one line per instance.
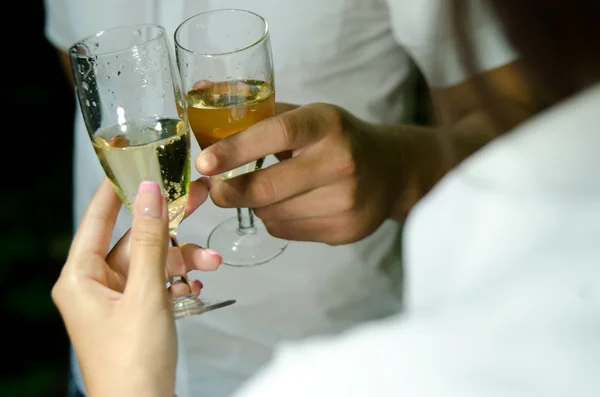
(180, 278)
(245, 221)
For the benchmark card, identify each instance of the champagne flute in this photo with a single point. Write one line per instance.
(224, 58)
(130, 95)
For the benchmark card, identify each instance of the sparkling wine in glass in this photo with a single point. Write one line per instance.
(224, 58)
(130, 95)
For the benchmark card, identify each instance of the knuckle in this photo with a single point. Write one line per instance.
(306, 123)
(262, 190)
(230, 193)
(345, 165)
(148, 238)
(346, 201)
(262, 213)
(331, 115)
(348, 231)
(277, 229)
(218, 198)
(287, 125)
(228, 147)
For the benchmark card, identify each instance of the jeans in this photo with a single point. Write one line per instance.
(73, 390)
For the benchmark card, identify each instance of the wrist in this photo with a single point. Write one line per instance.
(417, 158)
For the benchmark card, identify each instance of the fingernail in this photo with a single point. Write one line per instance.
(192, 279)
(207, 182)
(207, 162)
(149, 200)
(212, 254)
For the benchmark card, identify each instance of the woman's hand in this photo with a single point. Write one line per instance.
(115, 306)
(179, 261)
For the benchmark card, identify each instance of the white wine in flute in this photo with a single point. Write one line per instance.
(153, 149)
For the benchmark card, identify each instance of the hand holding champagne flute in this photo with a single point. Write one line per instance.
(130, 95)
(224, 58)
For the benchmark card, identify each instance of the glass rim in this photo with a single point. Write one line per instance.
(262, 38)
(83, 41)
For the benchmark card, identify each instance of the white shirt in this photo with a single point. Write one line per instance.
(503, 282)
(354, 53)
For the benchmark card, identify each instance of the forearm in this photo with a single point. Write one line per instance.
(423, 155)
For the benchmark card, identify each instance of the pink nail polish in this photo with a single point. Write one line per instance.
(213, 254)
(149, 200)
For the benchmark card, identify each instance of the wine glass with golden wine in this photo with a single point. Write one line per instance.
(131, 97)
(225, 62)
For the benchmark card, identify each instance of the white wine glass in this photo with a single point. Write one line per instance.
(131, 99)
(225, 62)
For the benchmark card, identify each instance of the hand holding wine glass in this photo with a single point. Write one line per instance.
(105, 303)
(131, 99)
(224, 58)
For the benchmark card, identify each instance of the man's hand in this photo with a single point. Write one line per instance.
(336, 186)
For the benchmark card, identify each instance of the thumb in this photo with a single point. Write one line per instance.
(148, 243)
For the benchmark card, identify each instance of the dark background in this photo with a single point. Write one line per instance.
(38, 107)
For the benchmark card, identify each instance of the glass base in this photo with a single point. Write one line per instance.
(188, 306)
(244, 248)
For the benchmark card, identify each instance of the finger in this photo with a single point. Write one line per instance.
(190, 257)
(323, 201)
(180, 289)
(289, 130)
(118, 257)
(148, 243)
(282, 107)
(184, 259)
(95, 229)
(198, 193)
(176, 267)
(198, 258)
(333, 230)
(314, 168)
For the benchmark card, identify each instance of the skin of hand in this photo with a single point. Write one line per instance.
(179, 261)
(334, 184)
(109, 301)
(339, 177)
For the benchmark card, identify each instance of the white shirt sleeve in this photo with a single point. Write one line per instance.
(517, 341)
(425, 29)
(503, 282)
